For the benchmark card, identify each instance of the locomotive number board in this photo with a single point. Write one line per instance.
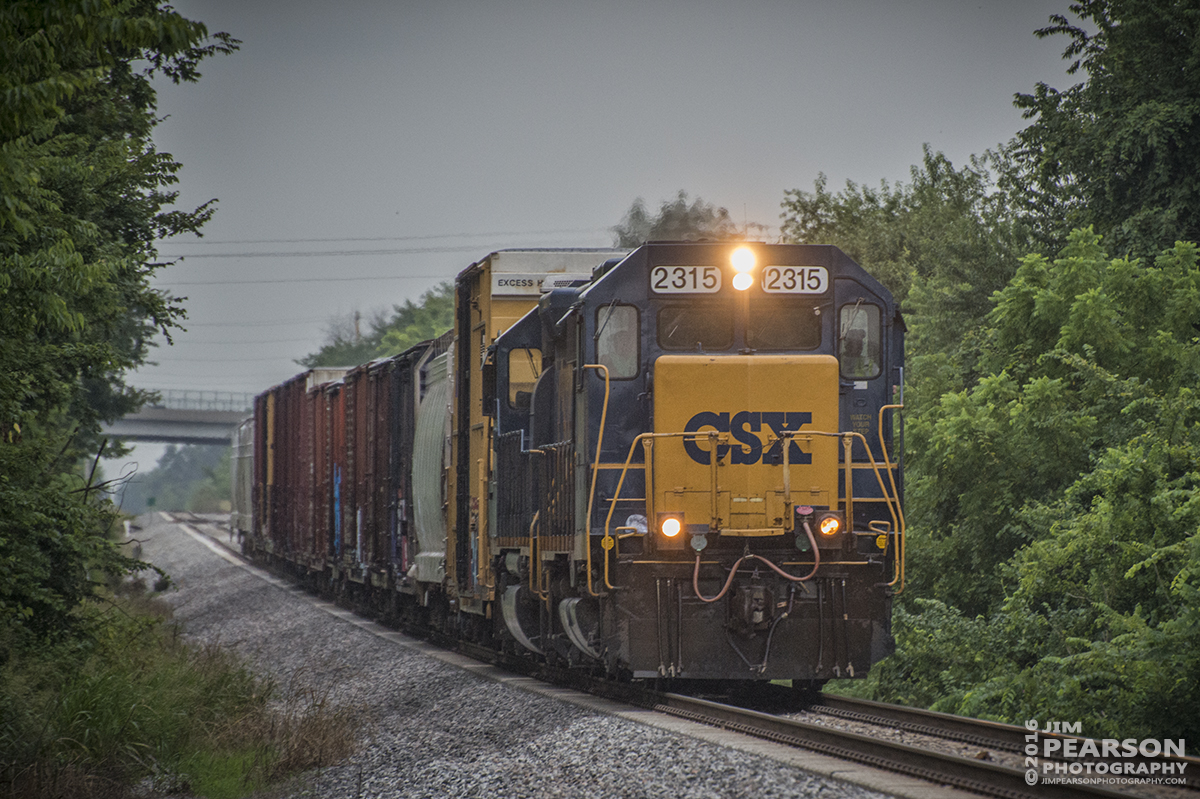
(795, 280)
(685, 279)
(708, 280)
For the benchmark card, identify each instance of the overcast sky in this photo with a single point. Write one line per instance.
(364, 151)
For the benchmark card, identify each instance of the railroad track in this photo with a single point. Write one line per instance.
(972, 774)
(979, 776)
(979, 732)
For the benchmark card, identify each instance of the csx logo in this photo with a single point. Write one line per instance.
(744, 427)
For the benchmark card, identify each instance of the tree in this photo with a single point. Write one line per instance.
(1055, 505)
(192, 477)
(942, 243)
(86, 196)
(1121, 150)
(409, 325)
(1053, 425)
(677, 220)
(346, 344)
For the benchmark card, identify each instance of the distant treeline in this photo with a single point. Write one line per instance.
(191, 477)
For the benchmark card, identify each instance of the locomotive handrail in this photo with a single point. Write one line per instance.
(535, 540)
(901, 544)
(887, 498)
(535, 575)
(482, 567)
(592, 490)
(892, 500)
(642, 438)
(847, 438)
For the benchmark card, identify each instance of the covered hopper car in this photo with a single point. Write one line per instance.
(678, 463)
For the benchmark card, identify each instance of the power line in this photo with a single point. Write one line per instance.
(296, 280)
(315, 253)
(181, 369)
(273, 323)
(426, 237)
(167, 362)
(180, 340)
(312, 253)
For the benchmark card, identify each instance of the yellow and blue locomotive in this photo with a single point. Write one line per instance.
(678, 462)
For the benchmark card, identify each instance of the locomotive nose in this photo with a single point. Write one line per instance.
(724, 462)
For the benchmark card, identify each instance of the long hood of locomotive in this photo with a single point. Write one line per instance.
(741, 409)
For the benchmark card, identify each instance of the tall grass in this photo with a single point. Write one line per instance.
(137, 706)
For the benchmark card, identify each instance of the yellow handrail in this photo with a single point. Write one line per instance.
(612, 505)
(891, 499)
(587, 520)
(535, 580)
(482, 566)
(900, 530)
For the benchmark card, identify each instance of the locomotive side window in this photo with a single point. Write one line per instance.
(777, 324)
(858, 341)
(698, 326)
(524, 366)
(618, 334)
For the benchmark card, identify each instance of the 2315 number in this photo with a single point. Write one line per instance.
(685, 279)
(795, 280)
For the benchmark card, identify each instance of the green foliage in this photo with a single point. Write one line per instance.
(1055, 505)
(214, 493)
(85, 197)
(137, 703)
(942, 243)
(409, 325)
(1121, 150)
(54, 533)
(191, 477)
(677, 220)
(1053, 423)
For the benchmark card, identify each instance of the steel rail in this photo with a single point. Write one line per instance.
(967, 773)
(980, 732)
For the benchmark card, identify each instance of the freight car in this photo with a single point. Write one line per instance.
(679, 463)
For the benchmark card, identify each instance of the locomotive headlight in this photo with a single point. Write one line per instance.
(829, 525)
(670, 524)
(743, 260)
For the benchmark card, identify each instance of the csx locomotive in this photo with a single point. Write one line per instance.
(675, 463)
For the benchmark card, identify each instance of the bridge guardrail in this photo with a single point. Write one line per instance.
(203, 400)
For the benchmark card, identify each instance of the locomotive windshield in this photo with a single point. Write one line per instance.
(617, 337)
(698, 326)
(858, 341)
(782, 324)
(524, 366)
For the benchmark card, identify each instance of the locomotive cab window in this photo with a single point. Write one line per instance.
(524, 366)
(859, 342)
(701, 326)
(618, 334)
(782, 324)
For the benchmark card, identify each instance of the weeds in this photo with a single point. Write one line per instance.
(139, 708)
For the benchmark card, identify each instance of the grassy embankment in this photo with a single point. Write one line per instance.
(139, 706)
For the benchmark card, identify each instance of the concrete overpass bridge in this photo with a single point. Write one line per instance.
(185, 417)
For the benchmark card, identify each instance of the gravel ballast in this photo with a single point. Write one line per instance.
(431, 729)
